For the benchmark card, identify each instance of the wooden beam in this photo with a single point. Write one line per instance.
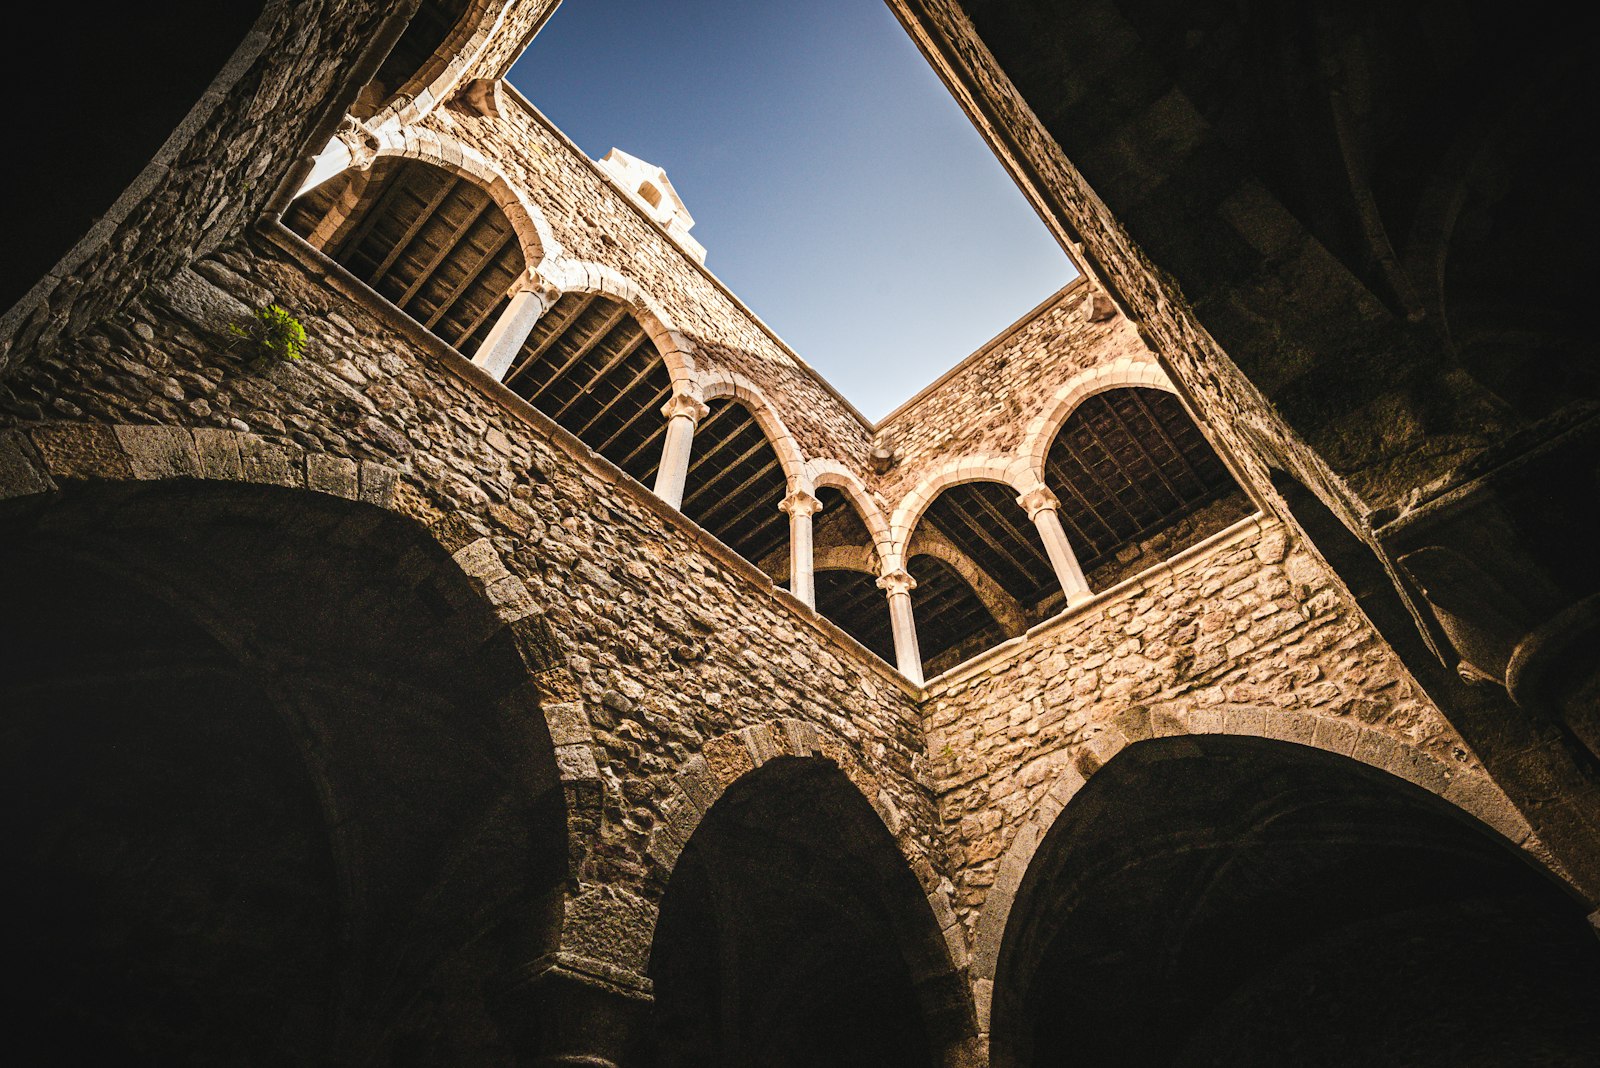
(468, 278)
(594, 338)
(551, 337)
(424, 215)
(444, 252)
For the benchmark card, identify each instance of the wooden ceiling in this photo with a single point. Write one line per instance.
(852, 600)
(591, 367)
(424, 35)
(984, 521)
(948, 613)
(1126, 463)
(736, 482)
(432, 243)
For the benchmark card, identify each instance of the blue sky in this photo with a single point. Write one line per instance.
(837, 187)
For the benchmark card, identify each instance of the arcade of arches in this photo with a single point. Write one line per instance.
(550, 669)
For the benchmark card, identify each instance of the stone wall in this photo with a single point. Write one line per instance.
(672, 640)
(984, 405)
(268, 109)
(1245, 634)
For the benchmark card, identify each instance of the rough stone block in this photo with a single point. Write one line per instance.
(20, 472)
(81, 450)
(727, 758)
(568, 723)
(334, 475)
(268, 463)
(576, 762)
(219, 454)
(377, 484)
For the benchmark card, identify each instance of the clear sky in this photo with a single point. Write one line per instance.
(837, 187)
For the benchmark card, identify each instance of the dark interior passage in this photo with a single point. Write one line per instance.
(259, 807)
(1234, 901)
(793, 934)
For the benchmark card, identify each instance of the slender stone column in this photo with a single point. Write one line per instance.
(801, 506)
(684, 411)
(908, 658)
(510, 332)
(1041, 505)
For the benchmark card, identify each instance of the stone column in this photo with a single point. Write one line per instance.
(1041, 505)
(801, 506)
(684, 411)
(510, 332)
(908, 658)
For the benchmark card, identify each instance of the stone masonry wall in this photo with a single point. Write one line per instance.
(1249, 636)
(673, 640)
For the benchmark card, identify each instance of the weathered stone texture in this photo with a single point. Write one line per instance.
(1250, 637)
(620, 586)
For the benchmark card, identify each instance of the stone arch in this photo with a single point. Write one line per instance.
(822, 473)
(360, 149)
(1012, 471)
(1258, 863)
(582, 276)
(42, 459)
(1124, 371)
(1468, 790)
(731, 759)
(437, 78)
(715, 385)
(1001, 605)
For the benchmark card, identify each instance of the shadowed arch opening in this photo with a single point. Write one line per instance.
(984, 521)
(434, 243)
(792, 933)
(591, 366)
(849, 595)
(260, 790)
(952, 622)
(736, 482)
(1221, 900)
(1137, 482)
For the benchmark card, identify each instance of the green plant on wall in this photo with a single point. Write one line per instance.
(273, 334)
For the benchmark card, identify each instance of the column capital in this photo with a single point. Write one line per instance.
(1039, 499)
(800, 503)
(687, 404)
(536, 281)
(898, 581)
(359, 140)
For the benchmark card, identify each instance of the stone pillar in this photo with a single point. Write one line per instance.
(684, 411)
(510, 332)
(908, 658)
(1041, 505)
(568, 1012)
(801, 506)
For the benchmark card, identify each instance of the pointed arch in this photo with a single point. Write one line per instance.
(1125, 371)
(582, 276)
(1469, 790)
(866, 847)
(360, 151)
(1254, 840)
(821, 473)
(715, 385)
(1009, 470)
